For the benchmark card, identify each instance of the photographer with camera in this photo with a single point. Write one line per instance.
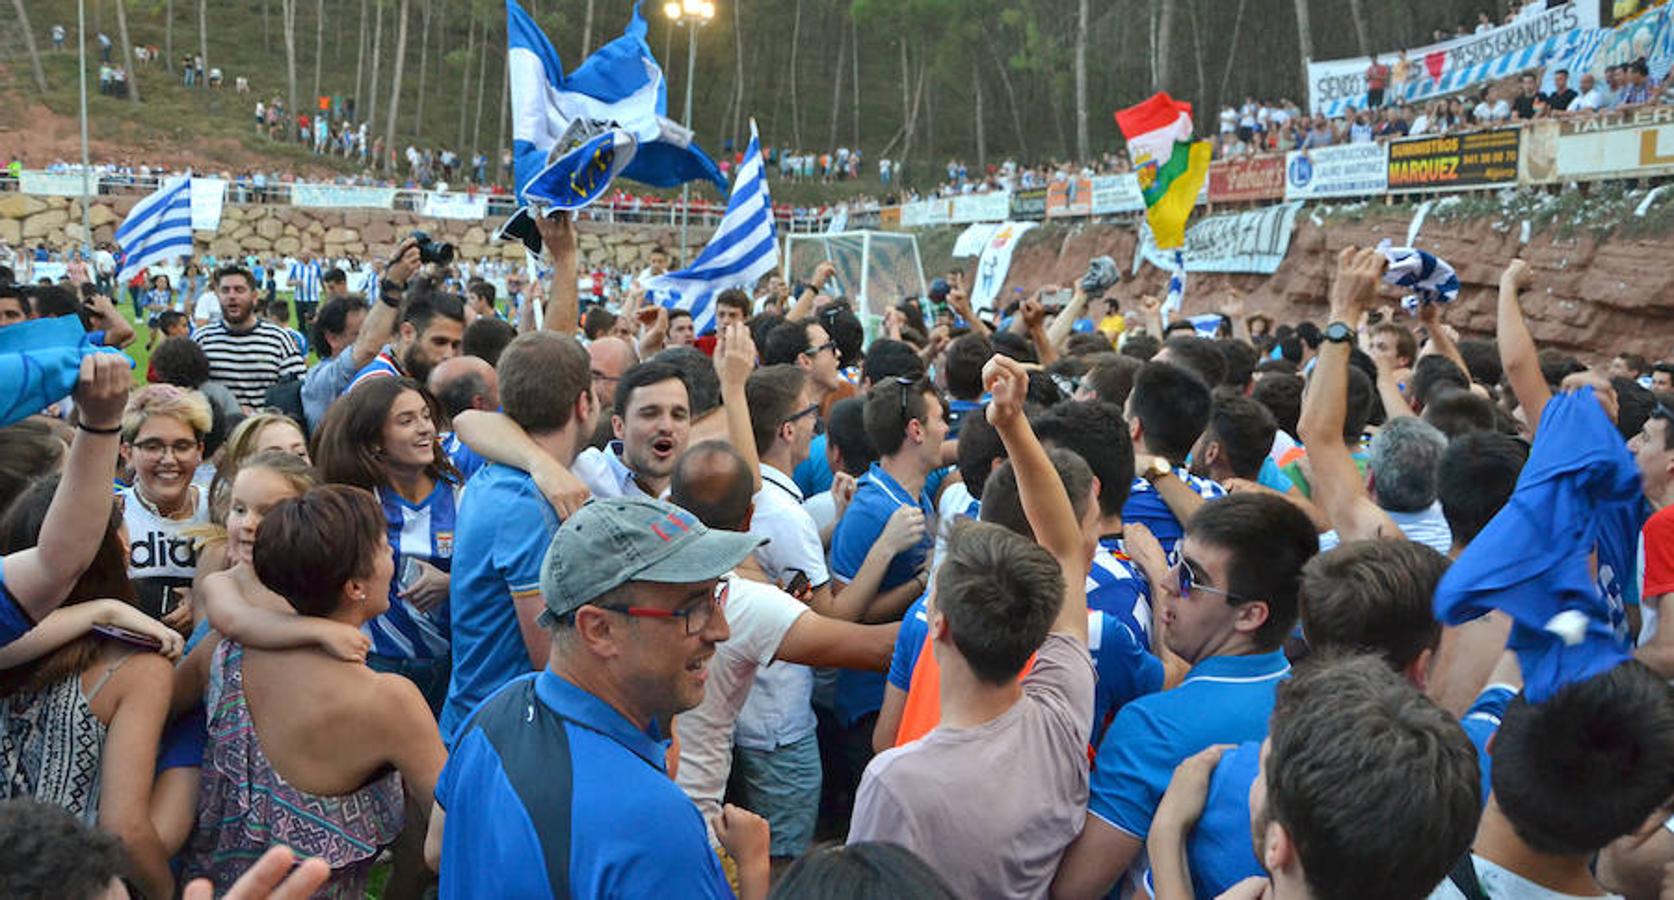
(432, 321)
(333, 374)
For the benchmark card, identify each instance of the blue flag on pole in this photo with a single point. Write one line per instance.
(744, 248)
(618, 83)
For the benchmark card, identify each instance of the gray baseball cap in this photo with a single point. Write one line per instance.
(610, 542)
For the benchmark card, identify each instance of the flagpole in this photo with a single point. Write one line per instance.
(86, 164)
(686, 187)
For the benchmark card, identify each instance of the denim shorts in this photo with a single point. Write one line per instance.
(783, 787)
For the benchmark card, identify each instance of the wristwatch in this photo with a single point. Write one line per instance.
(1338, 333)
(1156, 468)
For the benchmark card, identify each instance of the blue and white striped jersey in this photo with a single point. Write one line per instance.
(424, 531)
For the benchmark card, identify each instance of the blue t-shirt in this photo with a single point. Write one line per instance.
(13, 621)
(504, 528)
(876, 498)
(549, 792)
(813, 475)
(1219, 851)
(1146, 507)
(1224, 699)
(422, 530)
(466, 460)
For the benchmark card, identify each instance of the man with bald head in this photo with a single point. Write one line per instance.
(459, 384)
(714, 483)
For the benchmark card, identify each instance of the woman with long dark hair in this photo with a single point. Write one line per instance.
(383, 436)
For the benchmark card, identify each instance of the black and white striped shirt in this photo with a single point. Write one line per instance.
(249, 362)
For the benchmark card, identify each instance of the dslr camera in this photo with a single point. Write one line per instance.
(432, 250)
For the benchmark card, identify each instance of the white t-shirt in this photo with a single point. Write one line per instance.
(758, 616)
(1499, 883)
(160, 558)
(207, 308)
(956, 501)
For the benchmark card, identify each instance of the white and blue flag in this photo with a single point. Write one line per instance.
(157, 229)
(618, 83)
(744, 247)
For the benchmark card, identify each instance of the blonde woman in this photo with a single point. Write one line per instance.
(163, 428)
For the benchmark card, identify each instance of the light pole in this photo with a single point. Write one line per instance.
(692, 14)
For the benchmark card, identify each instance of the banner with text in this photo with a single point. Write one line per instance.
(1449, 161)
(55, 184)
(1528, 43)
(1070, 197)
(996, 262)
(1348, 170)
(342, 196)
(1254, 241)
(450, 205)
(1029, 204)
(1610, 145)
(208, 196)
(1248, 178)
(993, 206)
(1114, 194)
(1650, 36)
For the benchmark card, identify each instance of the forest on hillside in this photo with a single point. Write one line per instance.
(922, 80)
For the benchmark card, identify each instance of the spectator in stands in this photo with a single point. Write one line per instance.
(1638, 87)
(1562, 95)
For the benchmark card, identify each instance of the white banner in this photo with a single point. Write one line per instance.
(937, 212)
(994, 206)
(1452, 66)
(913, 214)
(1254, 241)
(55, 184)
(995, 263)
(208, 195)
(1346, 170)
(974, 238)
(1609, 145)
(1117, 194)
(338, 195)
(449, 205)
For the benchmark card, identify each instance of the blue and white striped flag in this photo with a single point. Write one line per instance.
(1176, 286)
(619, 82)
(744, 247)
(158, 228)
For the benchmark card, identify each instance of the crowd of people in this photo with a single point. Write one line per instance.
(1053, 601)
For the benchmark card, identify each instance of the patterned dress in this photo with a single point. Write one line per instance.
(245, 806)
(52, 746)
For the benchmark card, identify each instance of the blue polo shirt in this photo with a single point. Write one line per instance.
(1224, 699)
(503, 530)
(813, 475)
(1146, 507)
(876, 498)
(13, 621)
(1219, 851)
(550, 792)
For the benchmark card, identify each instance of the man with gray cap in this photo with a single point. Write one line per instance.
(557, 784)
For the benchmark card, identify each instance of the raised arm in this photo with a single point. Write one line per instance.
(804, 305)
(563, 311)
(1517, 347)
(1045, 502)
(735, 358)
(1338, 487)
(40, 577)
(1440, 340)
(1065, 323)
(961, 303)
(380, 322)
(1033, 316)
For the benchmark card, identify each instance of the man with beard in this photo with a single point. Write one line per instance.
(432, 325)
(246, 354)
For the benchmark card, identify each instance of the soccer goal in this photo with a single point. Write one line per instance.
(875, 269)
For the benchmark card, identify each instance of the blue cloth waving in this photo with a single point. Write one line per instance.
(40, 362)
(1531, 562)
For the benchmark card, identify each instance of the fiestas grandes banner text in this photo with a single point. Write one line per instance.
(1609, 145)
(340, 195)
(1254, 241)
(1247, 178)
(1477, 159)
(1454, 65)
(449, 205)
(1347, 170)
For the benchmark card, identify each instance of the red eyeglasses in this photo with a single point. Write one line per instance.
(696, 616)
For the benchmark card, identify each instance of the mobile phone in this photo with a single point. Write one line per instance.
(410, 572)
(128, 636)
(798, 585)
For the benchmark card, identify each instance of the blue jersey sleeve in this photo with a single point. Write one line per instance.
(909, 641)
(1131, 772)
(1126, 671)
(522, 547)
(1481, 721)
